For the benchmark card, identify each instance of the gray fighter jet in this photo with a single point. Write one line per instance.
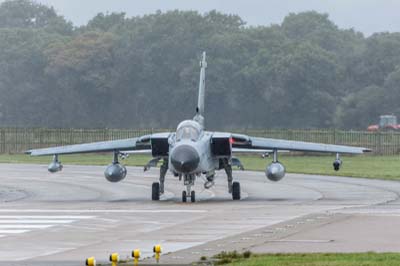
(192, 152)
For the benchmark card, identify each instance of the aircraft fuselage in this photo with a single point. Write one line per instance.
(191, 157)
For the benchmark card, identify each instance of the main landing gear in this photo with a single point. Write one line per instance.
(233, 187)
(157, 188)
(236, 191)
(155, 191)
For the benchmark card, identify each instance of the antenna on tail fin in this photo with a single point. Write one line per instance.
(202, 86)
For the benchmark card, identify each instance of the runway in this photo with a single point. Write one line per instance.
(75, 214)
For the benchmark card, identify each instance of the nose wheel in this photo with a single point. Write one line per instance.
(193, 196)
(186, 195)
(189, 183)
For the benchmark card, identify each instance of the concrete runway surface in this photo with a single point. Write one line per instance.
(66, 217)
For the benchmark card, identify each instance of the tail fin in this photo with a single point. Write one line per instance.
(202, 86)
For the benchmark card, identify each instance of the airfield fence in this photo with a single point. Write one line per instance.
(18, 140)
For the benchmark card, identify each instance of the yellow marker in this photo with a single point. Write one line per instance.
(114, 258)
(136, 255)
(157, 250)
(91, 261)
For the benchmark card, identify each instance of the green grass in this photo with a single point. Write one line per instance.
(382, 167)
(331, 259)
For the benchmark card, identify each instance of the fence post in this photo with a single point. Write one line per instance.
(40, 138)
(380, 151)
(3, 141)
(334, 136)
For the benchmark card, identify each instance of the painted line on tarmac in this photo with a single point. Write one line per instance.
(25, 226)
(44, 217)
(99, 211)
(52, 252)
(300, 241)
(13, 231)
(36, 221)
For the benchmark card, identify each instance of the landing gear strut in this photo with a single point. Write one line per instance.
(233, 187)
(158, 187)
(163, 172)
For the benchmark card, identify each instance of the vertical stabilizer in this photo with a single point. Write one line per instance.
(202, 86)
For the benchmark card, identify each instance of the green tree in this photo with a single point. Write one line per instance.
(28, 14)
(363, 108)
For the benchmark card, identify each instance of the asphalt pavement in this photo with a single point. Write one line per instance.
(66, 217)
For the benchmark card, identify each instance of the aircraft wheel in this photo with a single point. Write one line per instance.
(155, 191)
(236, 191)
(184, 196)
(193, 196)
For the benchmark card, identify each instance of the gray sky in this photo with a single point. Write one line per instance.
(367, 16)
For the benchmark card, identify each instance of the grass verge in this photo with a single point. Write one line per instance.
(312, 259)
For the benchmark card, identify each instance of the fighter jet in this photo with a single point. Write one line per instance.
(193, 152)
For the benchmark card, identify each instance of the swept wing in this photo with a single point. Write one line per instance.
(257, 143)
(141, 143)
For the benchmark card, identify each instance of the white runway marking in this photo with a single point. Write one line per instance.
(302, 241)
(44, 217)
(13, 231)
(36, 221)
(25, 226)
(100, 211)
(19, 224)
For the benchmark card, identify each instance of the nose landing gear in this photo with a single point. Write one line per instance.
(185, 196)
(189, 182)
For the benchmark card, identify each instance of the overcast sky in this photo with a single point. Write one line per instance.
(367, 16)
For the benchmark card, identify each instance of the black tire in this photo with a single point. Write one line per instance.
(155, 191)
(193, 196)
(184, 196)
(337, 164)
(236, 191)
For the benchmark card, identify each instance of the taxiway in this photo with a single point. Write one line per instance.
(75, 214)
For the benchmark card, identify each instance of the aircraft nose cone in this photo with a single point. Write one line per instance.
(185, 158)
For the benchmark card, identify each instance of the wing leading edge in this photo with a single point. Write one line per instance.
(256, 143)
(141, 143)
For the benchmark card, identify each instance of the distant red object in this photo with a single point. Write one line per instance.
(386, 122)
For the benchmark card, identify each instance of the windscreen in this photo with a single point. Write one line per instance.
(188, 130)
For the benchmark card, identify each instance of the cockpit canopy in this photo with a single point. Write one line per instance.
(188, 129)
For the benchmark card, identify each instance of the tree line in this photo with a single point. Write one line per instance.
(142, 72)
